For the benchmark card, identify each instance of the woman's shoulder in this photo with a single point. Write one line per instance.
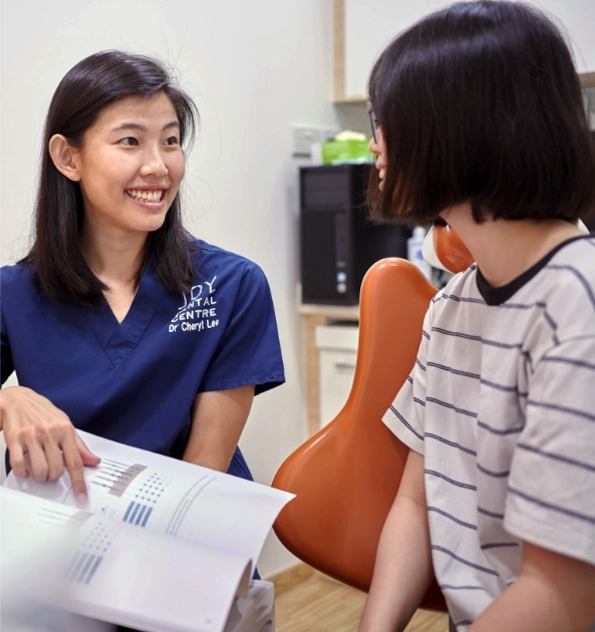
(16, 276)
(207, 256)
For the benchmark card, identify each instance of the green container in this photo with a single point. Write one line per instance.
(337, 151)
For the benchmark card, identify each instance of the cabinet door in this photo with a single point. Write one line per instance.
(336, 376)
(369, 25)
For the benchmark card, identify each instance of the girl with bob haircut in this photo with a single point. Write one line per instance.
(478, 122)
(118, 321)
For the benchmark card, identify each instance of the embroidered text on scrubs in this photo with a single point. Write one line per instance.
(197, 312)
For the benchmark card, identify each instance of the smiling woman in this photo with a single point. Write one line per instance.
(91, 317)
(129, 167)
(107, 88)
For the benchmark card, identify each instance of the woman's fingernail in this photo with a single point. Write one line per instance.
(81, 498)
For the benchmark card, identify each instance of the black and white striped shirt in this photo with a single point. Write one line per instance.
(501, 402)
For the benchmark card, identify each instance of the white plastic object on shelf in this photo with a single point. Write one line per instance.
(415, 250)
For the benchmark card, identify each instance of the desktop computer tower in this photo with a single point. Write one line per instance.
(338, 241)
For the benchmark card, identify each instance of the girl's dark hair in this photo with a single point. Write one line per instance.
(97, 81)
(481, 103)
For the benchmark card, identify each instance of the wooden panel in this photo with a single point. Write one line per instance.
(312, 372)
(338, 50)
(312, 316)
(321, 604)
(291, 577)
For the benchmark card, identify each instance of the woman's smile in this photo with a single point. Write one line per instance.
(149, 198)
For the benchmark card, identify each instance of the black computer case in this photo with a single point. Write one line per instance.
(338, 240)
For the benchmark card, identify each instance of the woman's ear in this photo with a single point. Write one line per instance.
(63, 156)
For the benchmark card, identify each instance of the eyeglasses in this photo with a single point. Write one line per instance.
(373, 121)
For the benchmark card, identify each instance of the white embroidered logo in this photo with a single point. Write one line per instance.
(198, 311)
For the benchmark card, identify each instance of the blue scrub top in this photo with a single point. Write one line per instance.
(135, 381)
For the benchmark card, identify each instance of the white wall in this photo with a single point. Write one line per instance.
(371, 24)
(254, 68)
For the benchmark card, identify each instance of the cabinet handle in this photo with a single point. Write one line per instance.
(345, 365)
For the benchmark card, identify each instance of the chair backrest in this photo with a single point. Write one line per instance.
(346, 476)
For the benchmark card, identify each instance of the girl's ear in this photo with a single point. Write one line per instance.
(63, 156)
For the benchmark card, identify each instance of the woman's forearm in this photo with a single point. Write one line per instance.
(218, 418)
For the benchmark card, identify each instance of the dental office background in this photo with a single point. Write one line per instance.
(257, 69)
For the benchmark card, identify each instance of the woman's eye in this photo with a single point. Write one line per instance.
(129, 141)
(172, 140)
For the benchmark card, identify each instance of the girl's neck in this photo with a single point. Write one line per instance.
(504, 249)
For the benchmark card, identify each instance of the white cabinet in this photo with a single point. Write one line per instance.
(363, 28)
(337, 348)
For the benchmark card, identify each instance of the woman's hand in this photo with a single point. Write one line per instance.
(42, 440)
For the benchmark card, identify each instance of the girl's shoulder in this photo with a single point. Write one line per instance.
(461, 288)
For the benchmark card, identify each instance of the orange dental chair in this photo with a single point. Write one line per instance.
(346, 476)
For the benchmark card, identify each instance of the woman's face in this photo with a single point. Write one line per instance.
(379, 150)
(130, 165)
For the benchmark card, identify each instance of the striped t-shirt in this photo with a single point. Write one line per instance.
(501, 403)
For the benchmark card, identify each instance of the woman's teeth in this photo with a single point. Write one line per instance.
(382, 174)
(146, 196)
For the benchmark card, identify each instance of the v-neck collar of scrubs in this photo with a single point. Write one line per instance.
(119, 339)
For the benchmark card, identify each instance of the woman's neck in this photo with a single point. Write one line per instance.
(504, 249)
(114, 259)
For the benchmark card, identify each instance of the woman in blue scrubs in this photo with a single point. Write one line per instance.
(118, 322)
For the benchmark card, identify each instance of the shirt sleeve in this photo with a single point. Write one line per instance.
(551, 495)
(249, 351)
(405, 417)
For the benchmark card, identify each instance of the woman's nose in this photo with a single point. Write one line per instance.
(154, 164)
(373, 147)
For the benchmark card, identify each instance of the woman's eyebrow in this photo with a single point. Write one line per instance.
(141, 128)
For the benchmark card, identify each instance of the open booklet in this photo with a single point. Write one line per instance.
(160, 545)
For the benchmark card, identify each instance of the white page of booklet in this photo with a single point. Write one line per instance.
(168, 496)
(102, 569)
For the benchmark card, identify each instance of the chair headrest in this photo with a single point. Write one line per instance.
(445, 250)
